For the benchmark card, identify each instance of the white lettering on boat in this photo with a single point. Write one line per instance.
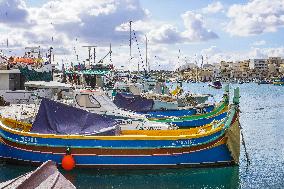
(28, 139)
(182, 142)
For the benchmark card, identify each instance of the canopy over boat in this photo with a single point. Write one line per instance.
(25, 60)
(57, 118)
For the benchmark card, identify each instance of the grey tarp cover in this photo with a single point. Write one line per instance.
(57, 118)
(133, 102)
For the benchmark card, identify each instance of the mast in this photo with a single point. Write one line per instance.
(196, 77)
(94, 55)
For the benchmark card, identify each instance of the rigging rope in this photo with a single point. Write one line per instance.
(138, 48)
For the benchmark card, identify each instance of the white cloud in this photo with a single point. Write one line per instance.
(14, 13)
(64, 24)
(259, 43)
(195, 28)
(214, 7)
(255, 17)
(195, 31)
(166, 34)
(210, 51)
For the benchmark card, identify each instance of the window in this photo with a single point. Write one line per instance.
(83, 100)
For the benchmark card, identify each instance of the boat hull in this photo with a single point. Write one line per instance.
(126, 151)
(217, 154)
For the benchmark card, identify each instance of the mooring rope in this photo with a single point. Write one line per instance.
(244, 144)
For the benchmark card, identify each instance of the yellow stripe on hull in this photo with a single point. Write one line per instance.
(191, 131)
(9, 127)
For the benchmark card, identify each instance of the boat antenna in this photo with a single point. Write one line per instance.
(89, 50)
(146, 58)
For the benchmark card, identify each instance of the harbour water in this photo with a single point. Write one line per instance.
(262, 120)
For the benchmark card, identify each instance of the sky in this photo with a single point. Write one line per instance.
(178, 31)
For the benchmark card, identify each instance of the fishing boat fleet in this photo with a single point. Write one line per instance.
(94, 117)
(101, 141)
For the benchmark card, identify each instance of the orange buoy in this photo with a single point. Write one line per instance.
(68, 162)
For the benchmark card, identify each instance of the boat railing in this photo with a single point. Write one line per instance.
(17, 125)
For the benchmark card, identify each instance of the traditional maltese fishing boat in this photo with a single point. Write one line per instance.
(95, 141)
(182, 117)
(218, 113)
(279, 81)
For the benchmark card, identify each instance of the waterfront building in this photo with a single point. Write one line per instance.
(245, 70)
(258, 64)
(273, 64)
(226, 68)
(236, 73)
(281, 69)
(217, 71)
(259, 68)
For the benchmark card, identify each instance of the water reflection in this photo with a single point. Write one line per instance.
(227, 177)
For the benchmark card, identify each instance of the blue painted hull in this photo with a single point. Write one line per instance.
(213, 156)
(199, 122)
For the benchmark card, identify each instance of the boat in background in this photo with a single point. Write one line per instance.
(264, 81)
(215, 84)
(279, 81)
(46, 176)
(152, 109)
(159, 95)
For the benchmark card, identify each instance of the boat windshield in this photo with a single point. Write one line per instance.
(83, 100)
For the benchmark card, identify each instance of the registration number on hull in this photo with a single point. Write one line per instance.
(182, 143)
(28, 139)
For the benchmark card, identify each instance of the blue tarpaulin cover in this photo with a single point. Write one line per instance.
(133, 102)
(57, 118)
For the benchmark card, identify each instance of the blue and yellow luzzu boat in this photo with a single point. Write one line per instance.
(279, 81)
(218, 113)
(93, 141)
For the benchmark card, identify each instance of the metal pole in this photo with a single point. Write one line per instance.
(94, 55)
(89, 50)
(50, 49)
(89, 55)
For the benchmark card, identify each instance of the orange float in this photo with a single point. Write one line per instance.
(68, 162)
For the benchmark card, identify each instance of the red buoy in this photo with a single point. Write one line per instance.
(68, 162)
